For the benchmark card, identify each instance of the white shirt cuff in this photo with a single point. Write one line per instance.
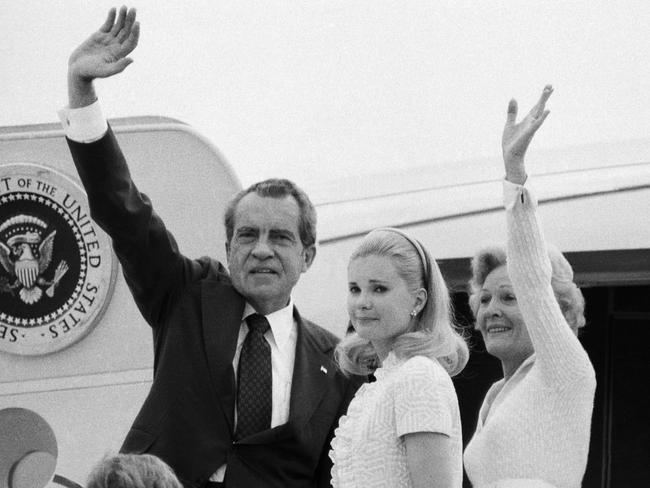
(85, 124)
(512, 193)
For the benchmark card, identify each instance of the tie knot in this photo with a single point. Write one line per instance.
(257, 323)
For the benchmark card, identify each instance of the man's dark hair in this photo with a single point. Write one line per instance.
(278, 188)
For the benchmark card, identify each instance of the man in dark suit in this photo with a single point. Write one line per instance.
(245, 393)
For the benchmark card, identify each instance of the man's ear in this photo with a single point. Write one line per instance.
(309, 253)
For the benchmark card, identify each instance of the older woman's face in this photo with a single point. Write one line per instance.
(499, 320)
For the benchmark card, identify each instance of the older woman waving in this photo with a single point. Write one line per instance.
(534, 425)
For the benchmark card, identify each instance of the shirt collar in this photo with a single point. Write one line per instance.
(281, 322)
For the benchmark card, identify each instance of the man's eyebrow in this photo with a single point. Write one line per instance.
(285, 232)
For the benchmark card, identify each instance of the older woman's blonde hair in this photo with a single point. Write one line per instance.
(567, 293)
(132, 471)
(433, 332)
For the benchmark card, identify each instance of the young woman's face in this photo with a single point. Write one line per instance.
(379, 301)
(499, 320)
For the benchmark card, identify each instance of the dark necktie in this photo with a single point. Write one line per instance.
(254, 380)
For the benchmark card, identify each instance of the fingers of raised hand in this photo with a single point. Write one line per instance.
(108, 23)
(126, 29)
(512, 112)
(540, 120)
(119, 23)
(538, 110)
(132, 41)
(546, 93)
(533, 121)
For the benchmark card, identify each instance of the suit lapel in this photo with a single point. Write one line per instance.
(222, 309)
(312, 373)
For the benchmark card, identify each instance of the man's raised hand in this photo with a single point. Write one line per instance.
(105, 52)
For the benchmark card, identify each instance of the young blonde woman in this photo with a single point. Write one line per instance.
(534, 425)
(403, 430)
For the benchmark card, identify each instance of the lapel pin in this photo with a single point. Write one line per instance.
(323, 369)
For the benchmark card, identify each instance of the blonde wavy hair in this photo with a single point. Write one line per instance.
(132, 471)
(433, 332)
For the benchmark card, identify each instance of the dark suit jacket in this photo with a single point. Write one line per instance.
(195, 314)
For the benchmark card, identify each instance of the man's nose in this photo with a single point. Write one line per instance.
(262, 249)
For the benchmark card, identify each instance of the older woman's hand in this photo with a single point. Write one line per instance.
(517, 137)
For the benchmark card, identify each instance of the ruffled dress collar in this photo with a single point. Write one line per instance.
(343, 449)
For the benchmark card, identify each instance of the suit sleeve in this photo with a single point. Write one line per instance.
(152, 264)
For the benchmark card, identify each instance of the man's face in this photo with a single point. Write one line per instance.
(265, 253)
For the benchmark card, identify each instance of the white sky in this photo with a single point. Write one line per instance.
(314, 90)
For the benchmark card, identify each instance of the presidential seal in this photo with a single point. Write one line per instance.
(57, 269)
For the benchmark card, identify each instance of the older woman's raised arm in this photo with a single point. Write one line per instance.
(559, 353)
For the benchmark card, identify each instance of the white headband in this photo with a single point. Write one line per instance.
(418, 247)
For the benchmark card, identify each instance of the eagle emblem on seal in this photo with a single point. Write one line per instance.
(26, 256)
